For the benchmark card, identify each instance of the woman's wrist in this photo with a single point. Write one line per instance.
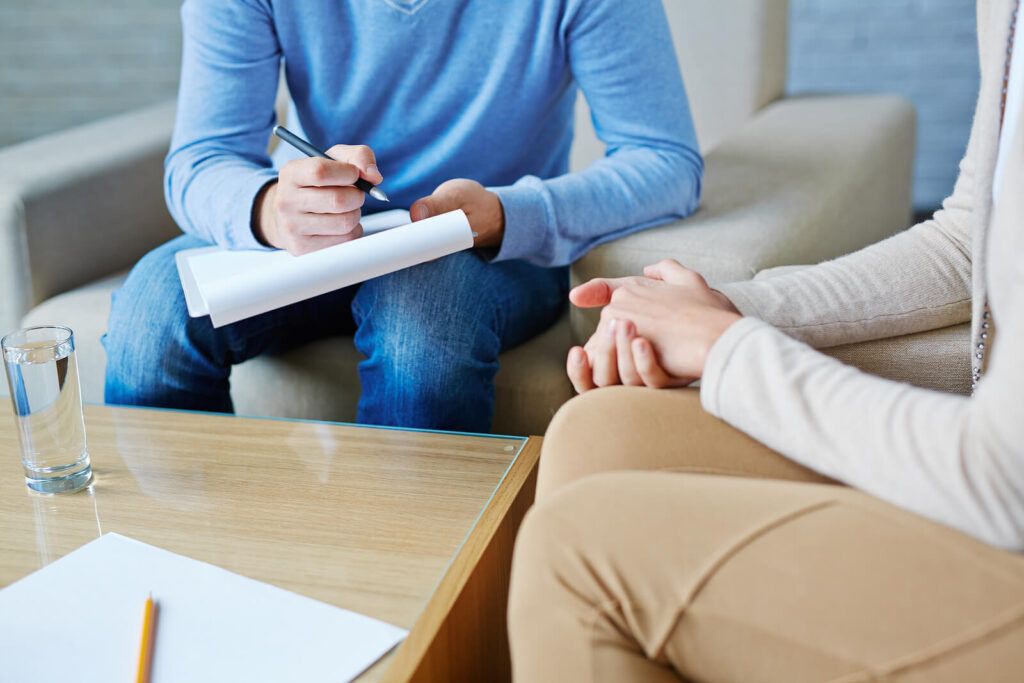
(717, 324)
(727, 304)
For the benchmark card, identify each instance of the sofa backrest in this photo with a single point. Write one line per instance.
(733, 57)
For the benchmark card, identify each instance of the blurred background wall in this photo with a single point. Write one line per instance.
(64, 62)
(923, 49)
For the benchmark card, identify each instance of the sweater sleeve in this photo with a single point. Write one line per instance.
(622, 57)
(952, 459)
(917, 280)
(218, 161)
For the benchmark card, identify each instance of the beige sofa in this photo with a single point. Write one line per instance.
(789, 181)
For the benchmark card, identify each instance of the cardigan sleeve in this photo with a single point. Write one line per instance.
(952, 459)
(917, 280)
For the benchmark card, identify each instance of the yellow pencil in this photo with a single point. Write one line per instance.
(146, 646)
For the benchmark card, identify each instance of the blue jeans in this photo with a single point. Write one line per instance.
(431, 335)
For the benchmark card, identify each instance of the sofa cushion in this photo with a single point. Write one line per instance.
(933, 359)
(320, 380)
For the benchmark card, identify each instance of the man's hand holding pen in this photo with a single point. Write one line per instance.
(314, 203)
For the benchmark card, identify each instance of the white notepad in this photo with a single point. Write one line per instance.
(80, 618)
(233, 285)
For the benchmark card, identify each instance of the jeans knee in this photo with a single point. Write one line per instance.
(148, 323)
(432, 368)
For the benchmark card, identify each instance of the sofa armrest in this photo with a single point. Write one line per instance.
(80, 204)
(933, 359)
(806, 180)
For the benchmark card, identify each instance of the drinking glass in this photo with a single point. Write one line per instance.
(43, 378)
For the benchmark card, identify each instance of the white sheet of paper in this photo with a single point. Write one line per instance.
(233, 285)
(80, 618)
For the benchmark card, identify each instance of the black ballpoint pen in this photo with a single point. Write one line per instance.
(309, 150)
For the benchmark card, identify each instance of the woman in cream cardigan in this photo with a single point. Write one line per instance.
(910, 572)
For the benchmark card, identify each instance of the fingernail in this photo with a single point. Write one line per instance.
(611, 328)
(371, 170)
(641, 347)
(577, 356)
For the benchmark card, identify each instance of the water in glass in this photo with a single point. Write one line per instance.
(43, 377)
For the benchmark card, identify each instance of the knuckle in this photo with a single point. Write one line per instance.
(318, 169)
(287, 224)
(692, 276)
(339, 202)
(351, 219)
(353, 198)
(287, 173)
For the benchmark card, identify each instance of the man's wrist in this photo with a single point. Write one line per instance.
(264, 214)
(495, 229)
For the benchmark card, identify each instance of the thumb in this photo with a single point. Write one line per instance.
(421, 208)
(674, 273)
(596, 292)
(448, 196)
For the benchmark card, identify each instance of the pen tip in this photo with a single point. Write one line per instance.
(378, 193)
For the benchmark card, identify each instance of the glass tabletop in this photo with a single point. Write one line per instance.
(363, 518)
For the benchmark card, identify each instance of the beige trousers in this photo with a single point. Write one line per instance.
(771, 574)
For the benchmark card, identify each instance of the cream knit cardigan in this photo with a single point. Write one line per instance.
(956, 460)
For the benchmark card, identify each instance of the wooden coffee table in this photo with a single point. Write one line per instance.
(414, 528)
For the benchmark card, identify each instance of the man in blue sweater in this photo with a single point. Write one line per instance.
(459, 104)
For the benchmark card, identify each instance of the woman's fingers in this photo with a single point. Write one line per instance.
(624, 334)
(647, 366)
(602, 355)
(596, 292)
(675, 273)
(578, 368)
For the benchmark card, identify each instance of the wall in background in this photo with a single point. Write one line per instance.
(65, 62)
(923, 49)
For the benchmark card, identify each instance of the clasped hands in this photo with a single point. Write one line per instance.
(655, 330)
(314, 204)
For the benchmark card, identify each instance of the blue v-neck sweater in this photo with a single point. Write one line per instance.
(441, 89)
